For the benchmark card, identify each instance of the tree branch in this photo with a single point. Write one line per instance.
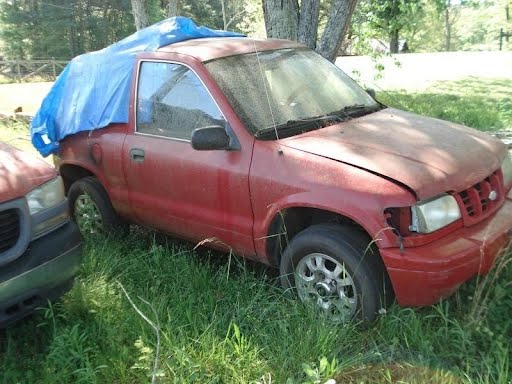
(336, 28)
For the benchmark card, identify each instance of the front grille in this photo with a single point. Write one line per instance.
(482, 199)
(9, 229)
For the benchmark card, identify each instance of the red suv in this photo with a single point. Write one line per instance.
(40, 247)
(280, 157)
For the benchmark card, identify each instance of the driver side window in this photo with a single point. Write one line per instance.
(172, 101)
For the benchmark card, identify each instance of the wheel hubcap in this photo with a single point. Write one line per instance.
(87, 215)
(325, 282)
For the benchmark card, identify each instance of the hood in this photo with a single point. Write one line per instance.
(20, 172)
(428, 155)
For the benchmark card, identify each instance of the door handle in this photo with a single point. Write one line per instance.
(137, 155)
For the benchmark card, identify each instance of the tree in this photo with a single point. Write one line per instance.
(232, 11)
(289, 19)
(392, 17)
(172, 8)
(140, 13)
(251, 20)
(53, 28)
(449, 9)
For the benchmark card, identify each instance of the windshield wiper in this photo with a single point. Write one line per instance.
(299, 126)
(294, 127)
(356, 110)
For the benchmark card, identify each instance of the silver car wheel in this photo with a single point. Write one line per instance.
(325, 282)
(87, 215)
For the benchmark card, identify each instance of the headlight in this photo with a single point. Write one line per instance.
(506, 168)
(46, 196)
(432, 215)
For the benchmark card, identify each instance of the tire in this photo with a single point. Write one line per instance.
(92, 210)
(336, 268)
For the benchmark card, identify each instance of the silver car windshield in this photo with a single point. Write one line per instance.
(280, 88)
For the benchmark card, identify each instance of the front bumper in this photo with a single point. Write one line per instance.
(426, 274)
(42, 273)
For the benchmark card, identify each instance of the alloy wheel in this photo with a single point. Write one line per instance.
(322, 280)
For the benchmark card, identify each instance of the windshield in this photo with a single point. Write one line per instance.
(274, 90)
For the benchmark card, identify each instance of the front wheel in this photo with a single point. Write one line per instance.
(335, 268)
(91, 209)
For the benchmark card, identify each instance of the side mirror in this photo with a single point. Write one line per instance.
(210, 138)
(372, 93)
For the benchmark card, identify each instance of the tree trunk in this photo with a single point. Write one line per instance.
(308, 22)
(448, 29)
(224, 19)
(140, 13)
(281, 18)
(393, 44)
(336, 28)
(172, 8)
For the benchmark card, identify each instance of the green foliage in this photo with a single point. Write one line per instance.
(474, 24)
(233, 324)
(60, 29)
(64, 29)
(391, 15)
(250, 20)
(204, 12)
(390, 19)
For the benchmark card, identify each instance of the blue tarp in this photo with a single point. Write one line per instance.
(93, 91)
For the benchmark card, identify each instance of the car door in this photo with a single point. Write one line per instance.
(198, 195)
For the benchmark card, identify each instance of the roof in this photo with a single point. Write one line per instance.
(213, 48)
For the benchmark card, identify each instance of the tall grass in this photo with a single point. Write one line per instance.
(485, 104)
(232, 324)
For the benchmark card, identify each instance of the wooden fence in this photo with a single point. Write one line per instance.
(26, 70)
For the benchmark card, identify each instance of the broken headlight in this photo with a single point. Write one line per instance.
(506, 169)
(46, 196)
(434, 214)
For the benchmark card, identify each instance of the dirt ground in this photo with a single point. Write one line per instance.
(28, 96)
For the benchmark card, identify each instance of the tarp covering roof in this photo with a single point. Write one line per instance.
(93, 91)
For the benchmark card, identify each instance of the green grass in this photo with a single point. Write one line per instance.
(224, 320)
(485, 104)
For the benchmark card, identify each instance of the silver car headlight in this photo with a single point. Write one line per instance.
(506, 169)
(46, 196)
(431, 215)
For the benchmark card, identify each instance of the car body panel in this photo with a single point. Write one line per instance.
(214, 205)
(215, 48)
(20, 172)
(55, 269)
(100, 157)
(433, 155)
(299, 179)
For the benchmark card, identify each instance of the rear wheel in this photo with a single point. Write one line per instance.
(90, 207)
(337, 269)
